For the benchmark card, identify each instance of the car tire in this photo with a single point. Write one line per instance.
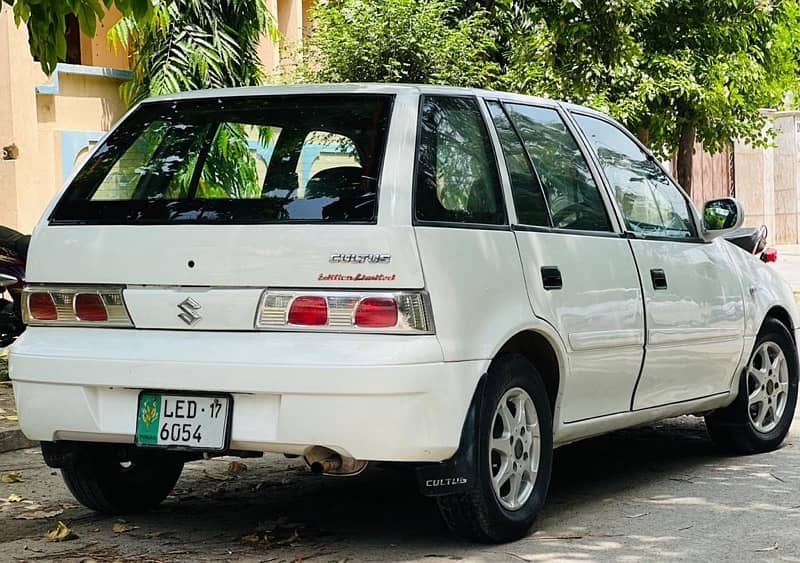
(102, 480)
(486, 513)
(759, 419)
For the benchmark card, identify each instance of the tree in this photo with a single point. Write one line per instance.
(46, 23)
(193, 44)
(410, 41)
(673, 71)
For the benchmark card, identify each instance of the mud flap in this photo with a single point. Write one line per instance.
(459, 473)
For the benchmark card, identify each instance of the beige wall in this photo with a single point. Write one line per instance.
(56, 125)
(768, 180)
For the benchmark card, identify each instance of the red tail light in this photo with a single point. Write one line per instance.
(376, 312)
(770, 255)
(41, 307)
(309, 310)
(74, 306)
(90, 307)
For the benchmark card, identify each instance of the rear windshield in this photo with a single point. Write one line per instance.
(307, 158)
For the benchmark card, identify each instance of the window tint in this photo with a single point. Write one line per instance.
(650, 202)
(528, 196)
(456, 172)
(572, 193)
(237, 160)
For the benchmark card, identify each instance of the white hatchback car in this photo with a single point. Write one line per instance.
(459, 279)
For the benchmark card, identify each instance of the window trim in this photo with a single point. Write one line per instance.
(416, 222)
(629, 234)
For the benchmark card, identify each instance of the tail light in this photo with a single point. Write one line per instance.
(308, 310)
(769, 255)
(62, 306)
(406, 312)
(41, 307)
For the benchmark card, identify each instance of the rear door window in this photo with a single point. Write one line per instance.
(572, 194)
(306, 158)
(457, 179)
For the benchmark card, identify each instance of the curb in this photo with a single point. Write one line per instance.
(11, 440)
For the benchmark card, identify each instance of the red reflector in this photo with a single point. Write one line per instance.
(770, 255)
(90, 307)
(41, 307)
(377, 312)
(309, 310)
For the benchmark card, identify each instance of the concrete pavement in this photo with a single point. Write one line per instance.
(656, 493)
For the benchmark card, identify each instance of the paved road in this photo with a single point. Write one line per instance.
(655, 493)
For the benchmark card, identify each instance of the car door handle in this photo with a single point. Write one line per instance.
(659, 279)
(551, 278)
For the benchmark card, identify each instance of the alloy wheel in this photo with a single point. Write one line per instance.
(514, 448)
(767, 387)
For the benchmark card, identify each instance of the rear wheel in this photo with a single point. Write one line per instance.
(515, 455)
(759, 419)
(103, 480)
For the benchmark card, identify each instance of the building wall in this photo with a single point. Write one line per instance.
(768, 180)
(54, 121)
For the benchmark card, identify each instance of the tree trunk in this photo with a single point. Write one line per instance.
(644, 136)
(686, 158)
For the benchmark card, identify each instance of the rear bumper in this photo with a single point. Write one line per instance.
(371, 397)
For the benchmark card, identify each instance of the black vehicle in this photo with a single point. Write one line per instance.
(13, 254)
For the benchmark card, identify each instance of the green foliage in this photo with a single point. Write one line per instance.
(46, 25)
(671, 70)
(668, 69)
(193, 44)
(401, 41)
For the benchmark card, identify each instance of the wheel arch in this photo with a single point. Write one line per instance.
(780, 314)
(539, 348)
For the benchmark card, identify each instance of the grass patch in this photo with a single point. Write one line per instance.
(3, 365)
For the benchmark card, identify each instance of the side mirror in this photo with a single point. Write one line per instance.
(7, 281)
(721, 216)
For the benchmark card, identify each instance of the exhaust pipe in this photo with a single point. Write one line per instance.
(327, 465)
(324, 461)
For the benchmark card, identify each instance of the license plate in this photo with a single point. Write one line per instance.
(183, 421)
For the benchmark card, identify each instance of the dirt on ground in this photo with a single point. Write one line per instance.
(656, 493)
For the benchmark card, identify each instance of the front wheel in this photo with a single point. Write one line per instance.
(759, 419)
(515, 457)
(102, 479)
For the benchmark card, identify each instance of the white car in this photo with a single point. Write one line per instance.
(459, 279)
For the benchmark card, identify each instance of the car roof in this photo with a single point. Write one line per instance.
(350, 88)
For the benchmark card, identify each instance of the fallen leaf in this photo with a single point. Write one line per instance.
(12, 477)
(61, 533)
(216, 476)
(774, 547)
(637, 515)
(120, 528)
(236, 467)
(776, 477)
(10, 417)
(251, 538)
(38, 514)
(14, 498)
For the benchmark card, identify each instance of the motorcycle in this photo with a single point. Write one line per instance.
(754, 241)
(13, 253)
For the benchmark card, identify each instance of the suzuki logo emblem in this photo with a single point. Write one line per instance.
(188, 309)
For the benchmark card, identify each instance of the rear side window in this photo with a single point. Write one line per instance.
(572, 194)
(525, 188)
(457, 180)
(306, 158)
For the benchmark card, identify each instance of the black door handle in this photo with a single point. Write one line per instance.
(551, 278)
(659, 279)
